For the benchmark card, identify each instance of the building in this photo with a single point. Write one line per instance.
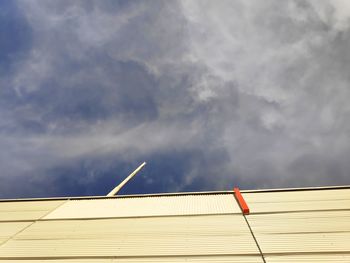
(286, 225)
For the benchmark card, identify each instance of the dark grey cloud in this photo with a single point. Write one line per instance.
(211, 94)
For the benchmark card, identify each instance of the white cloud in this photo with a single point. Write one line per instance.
(265, 82)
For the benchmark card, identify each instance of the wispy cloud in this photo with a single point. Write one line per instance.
(251, 93)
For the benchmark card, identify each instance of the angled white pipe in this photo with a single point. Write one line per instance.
(118, 187)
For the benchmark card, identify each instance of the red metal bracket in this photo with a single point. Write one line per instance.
(243, 205)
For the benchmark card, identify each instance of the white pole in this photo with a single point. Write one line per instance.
(118, 187)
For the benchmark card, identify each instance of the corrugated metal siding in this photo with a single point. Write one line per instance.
(176, 236)
(210, 259)
(296, 226)
(298, 200)
(8, 230)
(315, 221)
(302, 232)
(303, 222)
(206, 259)
(28, 210)
(106, 260)
(315, 258)
(301, 243)
(147, 206)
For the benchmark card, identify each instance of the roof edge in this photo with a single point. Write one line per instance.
(177, 194)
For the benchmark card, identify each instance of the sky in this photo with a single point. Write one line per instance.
(211, 94)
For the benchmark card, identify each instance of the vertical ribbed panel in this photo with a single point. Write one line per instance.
(147, 206)
(298, 200)
(26, 210)
(134, 237)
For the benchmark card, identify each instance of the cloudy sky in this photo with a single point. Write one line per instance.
(212, 94)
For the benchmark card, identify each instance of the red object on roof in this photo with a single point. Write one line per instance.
(241, 201)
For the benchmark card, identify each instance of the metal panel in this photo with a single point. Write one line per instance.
(302, 232)
(314, 258)
(28, 210)
(7, 230)
(106, 260)
(310, 243)
(202, 259)
(147, 206)
(153, 236)
(302, 222)
(298, 200)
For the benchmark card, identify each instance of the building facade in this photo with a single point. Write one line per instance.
(286, 225)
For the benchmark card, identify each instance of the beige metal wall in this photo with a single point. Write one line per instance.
(9, 229)
(27, 210)
(319, 258)
(16, 216)
(147, 206)
(301, 226)
(286, 201)
(289, 226)
(155, 236)
(198, 259)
